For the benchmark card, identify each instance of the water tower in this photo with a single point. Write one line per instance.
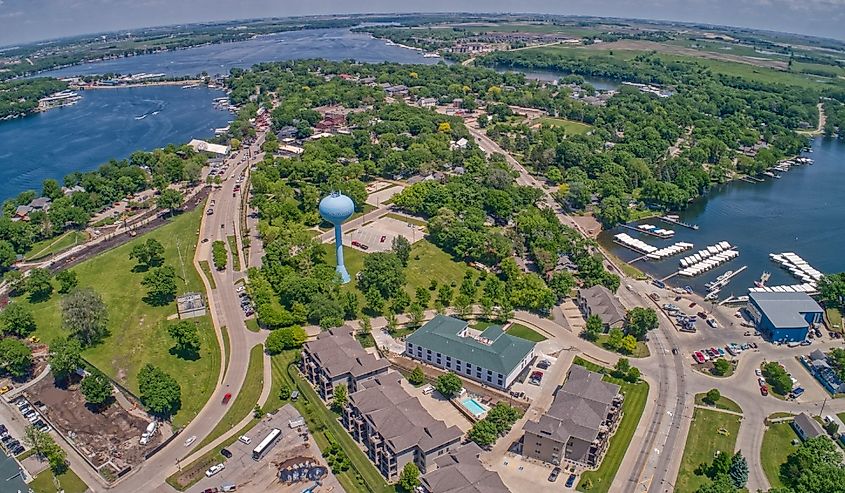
(336, 208)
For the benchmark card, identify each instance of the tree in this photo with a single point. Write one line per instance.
(721, 464)
(339, 398)
(712, 396)
(186, 336)
(383, 272)
(85, 315)
(417, 377)
(832, 289)
(422, 297)
(721, 367)
(286, 338)
(593, 328)
(483, 433)
(67, 281)
(16, 282)
(96, 388)
(284, 392)
(15, 357)
(448, 385)
(65, 357)
(561, 284)
(8, 255)
(719, 484)
(375, 301)
(831, 428)
(219, 255)
(159, 391)
(777, 377)
(161, 285)
(17, 320)
(639, 321)
(170, 199)
(51, 189)
(38, 284)
(444, 295)
(628, 344)
(417, 315)
(409, 479)
(44, 445)
(738, 472)
(402, 249)
(148, 254)
(614, 339)
(815, 466)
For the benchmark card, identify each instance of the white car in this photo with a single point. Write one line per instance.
(245, 439)
(761, 381)
(214, 469)
(191, 439)
(240, 289)
(758, 372)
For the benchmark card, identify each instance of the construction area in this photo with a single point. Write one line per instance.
(109, 438)
(377, 236)
(291, 464)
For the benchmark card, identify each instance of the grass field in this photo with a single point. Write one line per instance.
(233, 247)
(641, 351)
(722, 403)
(227, 350)
(571, 127)
(59, 244)
(633, 406)
(244, 402)
(279, 365)
(777, 445)
(138, 334)
(206, 268)
(523, 332)
(69, 482)
(834, 317)
(252, 324)
(703, 441)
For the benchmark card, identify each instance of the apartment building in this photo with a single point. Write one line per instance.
(460, 471)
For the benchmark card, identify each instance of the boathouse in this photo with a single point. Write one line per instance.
(784, 317)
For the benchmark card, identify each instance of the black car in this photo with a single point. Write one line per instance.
(3, 428)
(674, 350)
(555, 473)
(226, 453)
(18, 450)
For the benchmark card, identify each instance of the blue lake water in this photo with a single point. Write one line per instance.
(105, 124)
(803, 212)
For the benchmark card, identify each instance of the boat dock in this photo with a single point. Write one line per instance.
(677, 220)
(651, 229)
(707, 259)
(730, 300)
(799, 268)
(724, 279)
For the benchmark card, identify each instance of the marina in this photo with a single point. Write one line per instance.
(674, 219)
(651, 230)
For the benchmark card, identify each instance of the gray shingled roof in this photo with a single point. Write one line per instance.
(785, 309)
(809, 426)
(461, 471)
(578, 409)
(339, 354)
(603, 304)
(501, 355)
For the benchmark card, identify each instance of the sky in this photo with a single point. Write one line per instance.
(24, 21)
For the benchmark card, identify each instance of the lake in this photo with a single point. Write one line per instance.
(552, 76)
(331, 44)
(105, 124)
(803, 212)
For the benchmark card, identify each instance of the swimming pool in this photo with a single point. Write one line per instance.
(473, 406)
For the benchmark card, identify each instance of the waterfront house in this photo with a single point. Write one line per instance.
(394, 428)
(599, 301)
(41, 204)
(807, 427)
(492, 356)
(336, 358)
(783, 317)
(578, 425)
(22, 213)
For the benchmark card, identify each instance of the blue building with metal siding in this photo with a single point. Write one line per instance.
(785, 317)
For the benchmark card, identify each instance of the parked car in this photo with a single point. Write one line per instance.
(245, 439)
(544, 364)
(570, 481)
(226, 453)
(764, 390)
(553, 476)
(214, 469)
(761, 381)
(758, 372)
(698, 357)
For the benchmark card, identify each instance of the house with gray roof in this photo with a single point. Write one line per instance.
(786, 316)
(807, 427)
(460, 471)
(599, 301)
(492, 357)
(335, 357)
(394, 428)
(578, 425)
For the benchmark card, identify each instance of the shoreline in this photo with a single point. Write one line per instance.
(143, 84)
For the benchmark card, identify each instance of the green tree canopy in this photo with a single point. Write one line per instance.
(448, 385)
(85, 315)
(65, 357)
(96, 388)
(409, 478)
(639, 321)
(160, 392)
(285, 338)
(161, 285)
(15, 357)
(186, 336)
(67, 281)
(17, 320)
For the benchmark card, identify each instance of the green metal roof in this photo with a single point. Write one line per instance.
(501, 353)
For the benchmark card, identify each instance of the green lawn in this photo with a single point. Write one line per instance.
(55, 245)
(206, 268)
(406, 219)
(722, 403)
(777, 445)
(44, 482)
(834, 317)
(703, 441)
(233, 247)
(641, 351)
(279, 365)
(138, 334)
(227, 351)
(571, 127)
(521, 331)
(244, 402)
(252, 324)
(633, 406)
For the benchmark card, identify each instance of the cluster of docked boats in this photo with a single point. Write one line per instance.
(784, 166)
(654, 230)
(799, 268)
(670, 250)
(627, 240)
(707, 259)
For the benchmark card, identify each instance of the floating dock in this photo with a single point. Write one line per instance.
(672, 219)
(707, 259)
(669, 251)
(799, 268)
(652, 230)
(634, 244)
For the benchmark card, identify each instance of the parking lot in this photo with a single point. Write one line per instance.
(378, 235)
(379, 192)
(294, 448)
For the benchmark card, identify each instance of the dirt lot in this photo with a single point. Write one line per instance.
(111, 435)
(635, 45)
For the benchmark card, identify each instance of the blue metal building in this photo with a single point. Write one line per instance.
(784, 317)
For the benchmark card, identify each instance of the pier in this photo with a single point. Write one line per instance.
(799, 268)
(676, 220)
(650, 229)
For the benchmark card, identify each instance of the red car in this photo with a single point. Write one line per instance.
(382, 239)
(227, 398)
(698, 357)
(764, 390)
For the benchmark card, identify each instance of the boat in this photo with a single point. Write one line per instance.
(712, 295)
(431, 55)
(763, 278)
(769, 174)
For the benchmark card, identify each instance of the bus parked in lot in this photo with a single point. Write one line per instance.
(266, 444)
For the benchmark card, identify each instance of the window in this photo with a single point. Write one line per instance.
(410, 347)
(449, 359)
(448, 364)
(469, 366)
(489, 372)
(489, 379)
